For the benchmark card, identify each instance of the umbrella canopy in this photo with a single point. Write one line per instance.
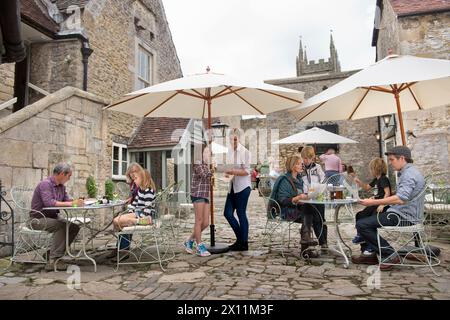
(315, 136)
(392, 85)
(208, 95)
(186, 98)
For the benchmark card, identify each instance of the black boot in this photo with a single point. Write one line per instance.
(234, 246)
(243, 246)
(306, 236)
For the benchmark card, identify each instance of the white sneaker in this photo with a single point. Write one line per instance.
(368, 253)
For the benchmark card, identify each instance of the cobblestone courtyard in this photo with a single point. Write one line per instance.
(256, 274)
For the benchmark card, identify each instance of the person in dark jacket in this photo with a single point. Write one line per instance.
(288, 191)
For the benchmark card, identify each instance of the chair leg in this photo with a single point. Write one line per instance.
(418, 238)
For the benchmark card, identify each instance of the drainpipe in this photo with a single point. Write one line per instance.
(86, 51)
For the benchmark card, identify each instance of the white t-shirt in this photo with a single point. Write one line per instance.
(241, 159)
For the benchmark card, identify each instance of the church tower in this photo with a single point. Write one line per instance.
(305, 67)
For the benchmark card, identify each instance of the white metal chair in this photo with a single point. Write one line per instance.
(408, 238)
(437, 205)
(149, 244)
(31, 245)
(123, 190)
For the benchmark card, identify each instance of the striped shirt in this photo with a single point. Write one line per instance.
(201, 181)
(144, 203)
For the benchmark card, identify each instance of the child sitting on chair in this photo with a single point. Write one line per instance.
(378, 169)
(142, 209)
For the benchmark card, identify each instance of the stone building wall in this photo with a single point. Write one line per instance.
(69, 125)
(7, 82)
(425, 36)
(428, 36)
(6, 86)
(388, 36)
(55, 65)
(113, 32)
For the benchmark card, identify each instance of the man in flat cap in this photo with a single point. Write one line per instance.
(410, 183)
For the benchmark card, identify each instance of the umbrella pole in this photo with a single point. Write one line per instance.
(400, 117)
(214, 247)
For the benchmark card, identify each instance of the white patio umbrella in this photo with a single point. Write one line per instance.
(208, 95)
(315, 136)
(392, 85)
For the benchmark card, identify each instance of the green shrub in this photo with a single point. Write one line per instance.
(91, 187)
(109, 189)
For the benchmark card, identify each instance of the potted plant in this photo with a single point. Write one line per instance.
(91, 187)
(109, 189)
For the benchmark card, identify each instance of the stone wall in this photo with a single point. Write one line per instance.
(6, 86)
(68, 126)
(7, 82)
(425, 36)
(388, 36)
(113, 34)
(55, 65)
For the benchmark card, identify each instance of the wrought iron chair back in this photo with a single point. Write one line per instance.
(437, 205)
(123, 190)
(32, 241)
(274, 231)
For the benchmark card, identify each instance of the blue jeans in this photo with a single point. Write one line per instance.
(238, 201)
(330, 173)
(124, 241)
(367, 228)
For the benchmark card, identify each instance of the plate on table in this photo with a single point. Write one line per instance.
(89, 202)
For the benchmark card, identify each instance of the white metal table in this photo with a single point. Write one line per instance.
(337, 204)
(70, 212)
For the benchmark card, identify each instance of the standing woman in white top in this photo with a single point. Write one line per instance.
(239, 192)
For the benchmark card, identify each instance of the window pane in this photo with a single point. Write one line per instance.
(124, 168)
(116, 153)
(124, 154)
(115, 168)
(144, 65)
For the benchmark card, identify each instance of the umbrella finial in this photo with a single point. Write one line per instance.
(208, 69)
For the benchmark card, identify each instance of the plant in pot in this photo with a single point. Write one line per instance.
(109, 189)
(91, 187)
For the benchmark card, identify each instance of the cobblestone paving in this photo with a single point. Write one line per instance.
(259, 273)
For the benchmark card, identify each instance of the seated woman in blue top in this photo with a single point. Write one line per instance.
(288, 191)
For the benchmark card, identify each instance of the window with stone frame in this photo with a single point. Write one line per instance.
(119, 161)
(144, 68)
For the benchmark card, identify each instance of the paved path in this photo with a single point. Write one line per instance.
(256, 274)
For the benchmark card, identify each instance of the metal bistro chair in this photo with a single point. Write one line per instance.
(171, 209)
(31, 245)
(123, 190)
(437, 205)
(406, 232)
(150, 244)
(274, 231)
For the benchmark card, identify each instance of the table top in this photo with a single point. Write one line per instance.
(336, 201)
(90, 207)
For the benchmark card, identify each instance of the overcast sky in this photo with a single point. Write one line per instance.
(259, 39)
